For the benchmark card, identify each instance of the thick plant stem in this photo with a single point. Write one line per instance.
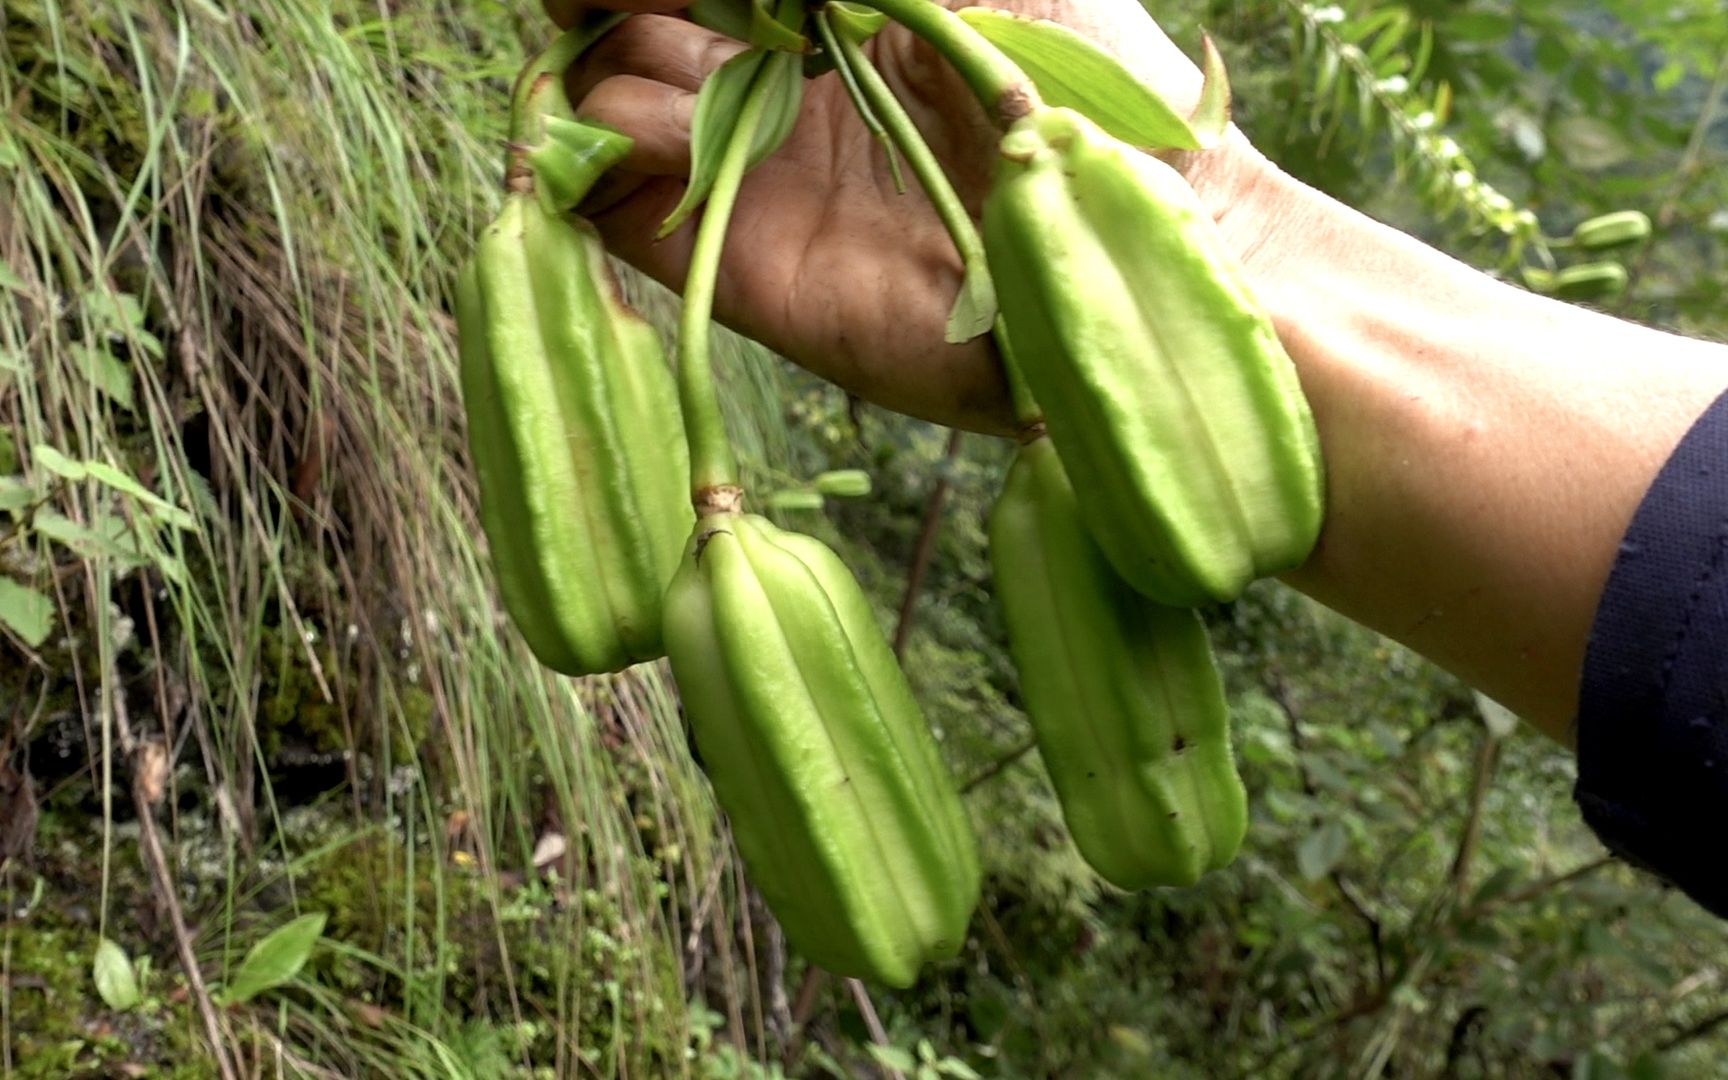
(1002, 88)
(940, 190)
(712, 463)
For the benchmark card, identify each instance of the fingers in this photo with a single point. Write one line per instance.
(657, 47)
(566, 12)
(642, 80)
(653, 114)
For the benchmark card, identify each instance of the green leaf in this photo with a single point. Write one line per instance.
(165, 511)
(122, 315)
(275, 959)
(718, 105)
(26, 612)
(9, 280)
(57, 463)
(116, 982)
(1211, 115)
(88, 542)
(1071, 71)
(1668, 76)
(855, 21)
(785, 97)
(61, 529)
(1320, 851)
(893, 1057)
(15, 493)
(106, 372)
(767, 32)
(975, 307)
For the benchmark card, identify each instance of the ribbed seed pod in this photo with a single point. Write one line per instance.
(846, 817)
(574, 428)
(1612, 230)
(1122, 692)
(1175, 408)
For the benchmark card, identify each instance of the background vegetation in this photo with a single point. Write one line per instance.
(281, 794)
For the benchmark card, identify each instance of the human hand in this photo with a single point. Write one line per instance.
(827, 263)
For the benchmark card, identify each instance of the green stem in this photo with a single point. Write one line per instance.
(892, 115)
(843, 67)
(1004, 90)
(712, 463)
(539, 85)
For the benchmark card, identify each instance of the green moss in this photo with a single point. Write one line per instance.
(60, 1028)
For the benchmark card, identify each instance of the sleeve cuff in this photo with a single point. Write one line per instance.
(1652, 722)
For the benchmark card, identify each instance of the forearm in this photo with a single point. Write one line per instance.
(1485, 447)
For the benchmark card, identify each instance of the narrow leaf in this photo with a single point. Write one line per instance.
(855, 21)
(1070, 70)
(1212, 114)
(26, 612)
(767, 32)
(57, 463)
(116, 982)
(780, 111)
(718, 105)
(974, 309)
(275, 959)
(114, 478)
(9, 280)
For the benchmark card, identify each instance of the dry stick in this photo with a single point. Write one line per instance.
(1486, 760)
(163, 880)
(926, 549)
(873, 1024)
(1538, 887)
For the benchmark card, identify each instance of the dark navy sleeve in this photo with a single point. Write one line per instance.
(1652, 721)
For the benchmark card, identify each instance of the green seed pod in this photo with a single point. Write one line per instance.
(846, 817)
(1590, 281)
(1606, 231)
(1176, 410)
(577, 441)
(844, 483)
(1122, 692)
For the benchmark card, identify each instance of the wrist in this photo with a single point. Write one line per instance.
(1259, 209)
